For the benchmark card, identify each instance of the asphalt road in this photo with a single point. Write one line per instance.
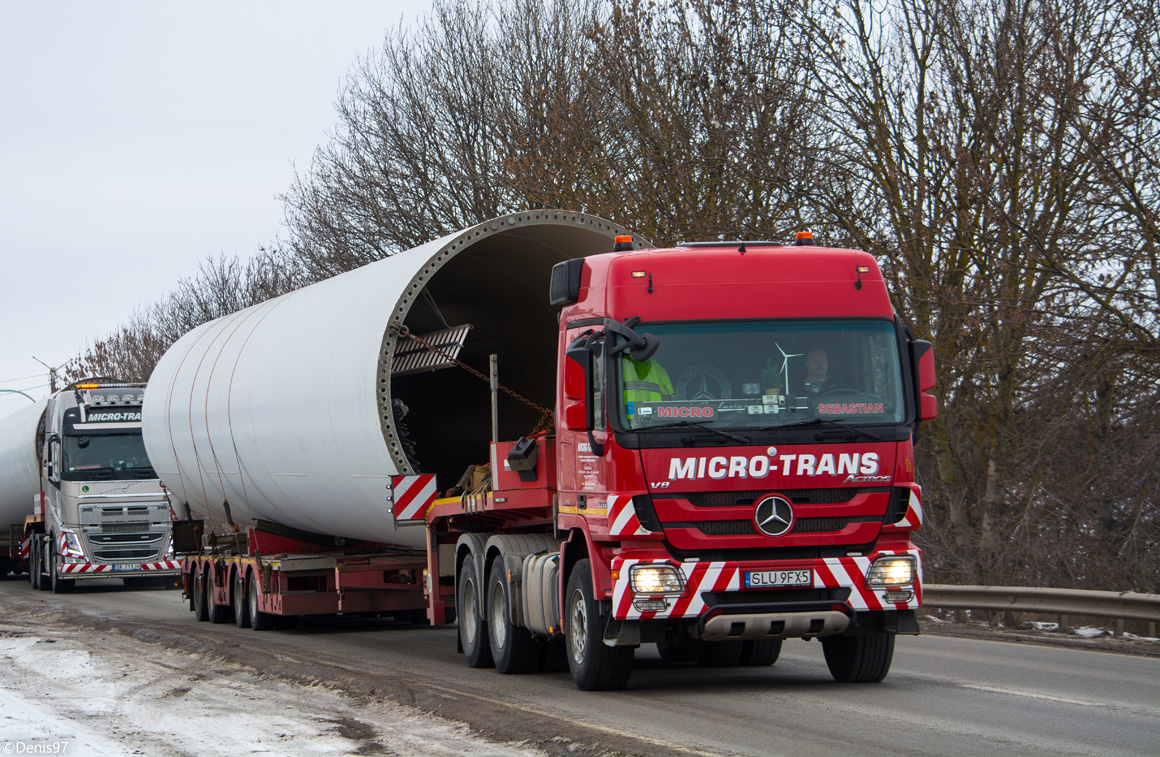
(943, 695)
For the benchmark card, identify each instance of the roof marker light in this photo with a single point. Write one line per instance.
(639, 274)
(623, 243)
(804, 238)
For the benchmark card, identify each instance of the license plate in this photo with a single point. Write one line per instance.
(121, 566)
(763, 579)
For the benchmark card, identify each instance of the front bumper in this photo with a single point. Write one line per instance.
(714, 594)
(82, 570)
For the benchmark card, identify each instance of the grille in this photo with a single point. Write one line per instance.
(745, 527)
(132, 527)
(819, 525)
(726, 528)
(797, 496)
(117, 512)
(124, 554)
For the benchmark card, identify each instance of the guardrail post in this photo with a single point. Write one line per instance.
(1151, 629)
(1119, 627)
(1062, 623)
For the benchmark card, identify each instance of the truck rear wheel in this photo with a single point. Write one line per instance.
(595, 666)
(717, 654)
(760, 652)
(513, 648)
(259, 621)
(468, 607)
(59, 585)
(199, 599)
(859, 659)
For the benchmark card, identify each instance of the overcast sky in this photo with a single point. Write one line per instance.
(138, 138)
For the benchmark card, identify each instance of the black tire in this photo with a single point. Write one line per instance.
(198, 598)
(859, 659)
(513, 648)
(472, 627)
(594, 665)
(675, 649)
(259, 621)
(34, 564)
(59, 585)
(239, 606)
(214, 612)
(717, 654)
(759, 653)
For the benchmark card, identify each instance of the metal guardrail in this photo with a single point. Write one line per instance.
(1126, 605)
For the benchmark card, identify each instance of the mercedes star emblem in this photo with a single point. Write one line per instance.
(774, 515)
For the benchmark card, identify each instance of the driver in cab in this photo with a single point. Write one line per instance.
(817, 372)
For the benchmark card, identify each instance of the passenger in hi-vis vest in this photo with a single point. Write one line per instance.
(644, 381)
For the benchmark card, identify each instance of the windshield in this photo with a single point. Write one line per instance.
(763, 374)
(105, 456)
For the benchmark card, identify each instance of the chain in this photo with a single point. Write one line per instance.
(546, 416)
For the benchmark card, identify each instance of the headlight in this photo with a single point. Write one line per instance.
(657, 579)
(72, 542)
(891, 571)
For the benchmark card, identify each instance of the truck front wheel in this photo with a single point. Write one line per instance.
(513, 648)
(469, 609)
(59, 585)
(595, 666)
(859, 659)
(34, 568)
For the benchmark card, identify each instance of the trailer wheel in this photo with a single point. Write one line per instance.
(595, 666)
(859, 659)
(472, 628)
(199, 599)
(59, 585)
(513, 648)
(259, 621)
(759, 652)
(214, 612)
(34, 568)
(239, 601)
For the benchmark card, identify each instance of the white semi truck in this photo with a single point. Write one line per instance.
(75, 471)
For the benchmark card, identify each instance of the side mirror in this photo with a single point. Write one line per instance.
(922, 363)
(576, 416)
(577, 366)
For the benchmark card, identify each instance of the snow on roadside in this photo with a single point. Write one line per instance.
(111, 695)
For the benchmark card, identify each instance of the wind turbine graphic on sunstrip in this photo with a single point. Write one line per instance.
(785, 364)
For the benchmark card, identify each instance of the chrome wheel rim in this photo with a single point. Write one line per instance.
(498, 627)
(469, 619)
(578, 632)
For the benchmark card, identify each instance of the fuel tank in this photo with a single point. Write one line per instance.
(298, 411)
(19, 463)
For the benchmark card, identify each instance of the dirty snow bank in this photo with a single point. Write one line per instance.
(106, 694)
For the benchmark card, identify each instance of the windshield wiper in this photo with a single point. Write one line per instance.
(854, 431)
(700, 425)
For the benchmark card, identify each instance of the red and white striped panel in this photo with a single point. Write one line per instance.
(913, 517)
(841, 572)
(622, 520)
(411, 496)
(835, 572)
(699, 577)
(25, 547)
(85, 567)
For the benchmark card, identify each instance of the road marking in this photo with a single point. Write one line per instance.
(1033, 695)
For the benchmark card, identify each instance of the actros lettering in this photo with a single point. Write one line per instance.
(855, 465)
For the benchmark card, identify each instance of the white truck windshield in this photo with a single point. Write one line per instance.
(105, 456)
(761, 374)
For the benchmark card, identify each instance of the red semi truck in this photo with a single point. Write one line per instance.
(730, 465)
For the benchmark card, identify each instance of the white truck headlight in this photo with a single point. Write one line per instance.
(891, 571)
(73, 542)
(657, 579)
